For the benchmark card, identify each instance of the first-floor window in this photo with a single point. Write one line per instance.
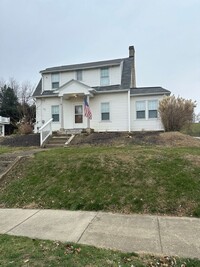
(55, 112)
(153, 109)
(140, 109)
(78, 114)
(105, 111)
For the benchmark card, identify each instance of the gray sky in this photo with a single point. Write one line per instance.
(36, 34)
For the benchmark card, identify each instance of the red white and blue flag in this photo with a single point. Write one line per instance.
(87, 110)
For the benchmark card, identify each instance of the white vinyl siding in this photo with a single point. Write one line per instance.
(55, 113)
(140, 109)
(55, 80)
(104, 78)
(105, 111)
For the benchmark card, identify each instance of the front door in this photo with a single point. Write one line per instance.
(78, 116)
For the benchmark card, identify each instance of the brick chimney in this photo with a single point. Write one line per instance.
(132, 57)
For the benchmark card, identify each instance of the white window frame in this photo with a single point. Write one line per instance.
(153, 107)
(55, 80)
(105, 111)
(53, 112)
(104, 76)
(140, 109)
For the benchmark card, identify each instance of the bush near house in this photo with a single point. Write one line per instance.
(176, 112)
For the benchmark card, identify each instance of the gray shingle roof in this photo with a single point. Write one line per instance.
(38, 89)
(149, 91)
(90, 65)
(107, 88)
(126, 73)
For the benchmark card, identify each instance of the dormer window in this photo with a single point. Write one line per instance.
(104, 76)
(79, 75)
(55, 79)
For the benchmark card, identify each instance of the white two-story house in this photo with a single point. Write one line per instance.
(115, 102)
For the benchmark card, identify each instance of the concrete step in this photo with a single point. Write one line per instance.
(49, 145)
(58, 140)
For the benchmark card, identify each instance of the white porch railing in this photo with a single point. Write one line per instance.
(45, 131)
(4, 120)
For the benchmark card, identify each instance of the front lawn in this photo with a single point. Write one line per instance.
(131, 179)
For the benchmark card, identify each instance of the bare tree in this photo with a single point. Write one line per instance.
(12, 83)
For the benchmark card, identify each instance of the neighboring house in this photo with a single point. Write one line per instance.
(110, 88)
(3, 122)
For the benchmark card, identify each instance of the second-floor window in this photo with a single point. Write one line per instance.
(79, 75)
(55, 80)
(104, 76)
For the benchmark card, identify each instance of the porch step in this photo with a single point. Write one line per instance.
(73, 131)
(59, 140)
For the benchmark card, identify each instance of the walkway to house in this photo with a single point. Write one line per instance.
(178, 236)
(9, 160)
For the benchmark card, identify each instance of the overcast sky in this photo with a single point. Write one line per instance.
(36, 34)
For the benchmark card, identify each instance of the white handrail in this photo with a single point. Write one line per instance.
(45, 131)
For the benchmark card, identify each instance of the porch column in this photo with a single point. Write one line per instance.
(88, 120)
(61, 113)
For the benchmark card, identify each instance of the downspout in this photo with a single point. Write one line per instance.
(129, 111)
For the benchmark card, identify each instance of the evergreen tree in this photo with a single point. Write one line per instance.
(9, 106)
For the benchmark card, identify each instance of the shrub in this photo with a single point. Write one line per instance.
(25, 128)
(176, 112)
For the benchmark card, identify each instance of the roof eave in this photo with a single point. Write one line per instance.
(145, 94)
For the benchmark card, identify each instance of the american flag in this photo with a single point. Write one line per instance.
(87, 110)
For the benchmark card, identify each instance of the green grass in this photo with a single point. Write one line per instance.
(21, 251)
(132, 179)
(192, 129)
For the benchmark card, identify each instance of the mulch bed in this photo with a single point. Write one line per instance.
(109, 139)
(21, 140)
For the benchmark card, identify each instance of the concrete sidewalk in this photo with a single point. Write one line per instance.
(128, 233)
